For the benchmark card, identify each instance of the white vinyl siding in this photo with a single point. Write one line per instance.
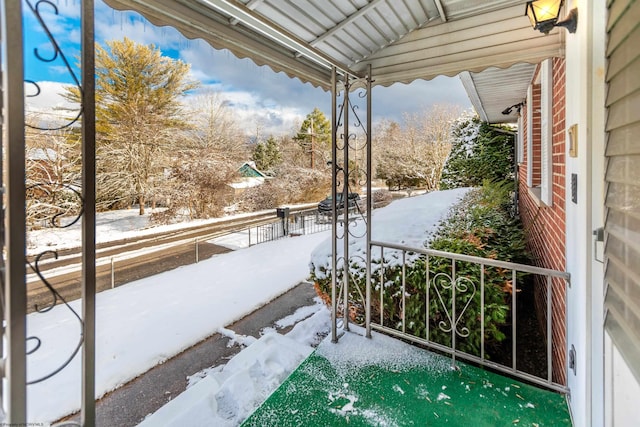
(622, 198)
(546, 132)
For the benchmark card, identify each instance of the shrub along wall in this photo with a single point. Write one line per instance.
(481, 224)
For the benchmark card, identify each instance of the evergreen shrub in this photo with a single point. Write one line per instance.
(481, 224)
(479, 152)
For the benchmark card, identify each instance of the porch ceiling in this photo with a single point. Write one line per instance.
(401, 40)
(493, 90)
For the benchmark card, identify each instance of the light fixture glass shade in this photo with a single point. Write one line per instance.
(541, 12)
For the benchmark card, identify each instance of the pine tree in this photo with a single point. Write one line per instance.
(481, 152)
(314, 137)
(138, 112)
(267, 155)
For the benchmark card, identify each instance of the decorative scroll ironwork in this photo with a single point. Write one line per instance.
(57, 53)
(349, 142)
(350, 224)
(443, 282)
(53, 200)
(56, 296)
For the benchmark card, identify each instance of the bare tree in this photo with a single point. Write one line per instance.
(413, 154)
(293, 154)
(207, 161)
(52, 177)
(213, 127)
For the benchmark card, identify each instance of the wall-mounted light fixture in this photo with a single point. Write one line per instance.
(544, 15)
(517, 107)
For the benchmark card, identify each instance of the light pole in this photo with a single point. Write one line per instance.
(312, 135)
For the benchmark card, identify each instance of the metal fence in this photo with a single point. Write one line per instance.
(113, 270)
(442, 300)
(290, 224)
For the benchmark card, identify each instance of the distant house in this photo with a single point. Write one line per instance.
(43, 164)
(249, 170)
(249, 176)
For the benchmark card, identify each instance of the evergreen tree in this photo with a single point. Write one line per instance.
(314, 137)
(138, 112)
(267, 155)
(480, 152)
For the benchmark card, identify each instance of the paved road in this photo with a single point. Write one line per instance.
(69, 285)
(131, 403)
(180, 249)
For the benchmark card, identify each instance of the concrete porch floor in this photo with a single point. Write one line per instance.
(385, 382)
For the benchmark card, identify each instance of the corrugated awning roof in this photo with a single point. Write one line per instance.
(401, 40)
(494, 90)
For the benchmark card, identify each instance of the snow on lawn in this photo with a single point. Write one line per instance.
(114, 225)
(408, 222)
(149, 321)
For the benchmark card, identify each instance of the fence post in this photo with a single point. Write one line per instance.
(284, 214)
(197, 257)
(113, 274)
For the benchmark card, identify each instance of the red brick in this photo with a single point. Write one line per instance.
(545, 226)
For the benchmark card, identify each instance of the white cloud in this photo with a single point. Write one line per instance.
(393, 101)
(49, 108)
(61, 19)
(255, 116)
(117, 25)
(259, 96)
(70, 8)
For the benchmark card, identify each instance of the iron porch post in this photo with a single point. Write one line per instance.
(15, 369)
(334, 171)
(369, 207)
(88, 417)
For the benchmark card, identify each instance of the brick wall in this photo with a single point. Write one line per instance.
(545, 225)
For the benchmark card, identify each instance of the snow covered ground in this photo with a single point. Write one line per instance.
(148, 321)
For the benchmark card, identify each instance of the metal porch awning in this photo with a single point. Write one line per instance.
(493, 90)
(401, 40)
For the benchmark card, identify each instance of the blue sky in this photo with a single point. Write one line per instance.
(261, 97)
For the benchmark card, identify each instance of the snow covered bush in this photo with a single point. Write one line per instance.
(290, 185)
(381, 198)
(481, 225)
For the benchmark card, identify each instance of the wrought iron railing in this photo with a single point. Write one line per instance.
(440, 300)
(294, 224)
(19, 187)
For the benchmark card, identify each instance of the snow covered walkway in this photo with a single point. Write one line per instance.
(385, 382)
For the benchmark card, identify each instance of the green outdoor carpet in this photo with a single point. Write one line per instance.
(384, 382)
